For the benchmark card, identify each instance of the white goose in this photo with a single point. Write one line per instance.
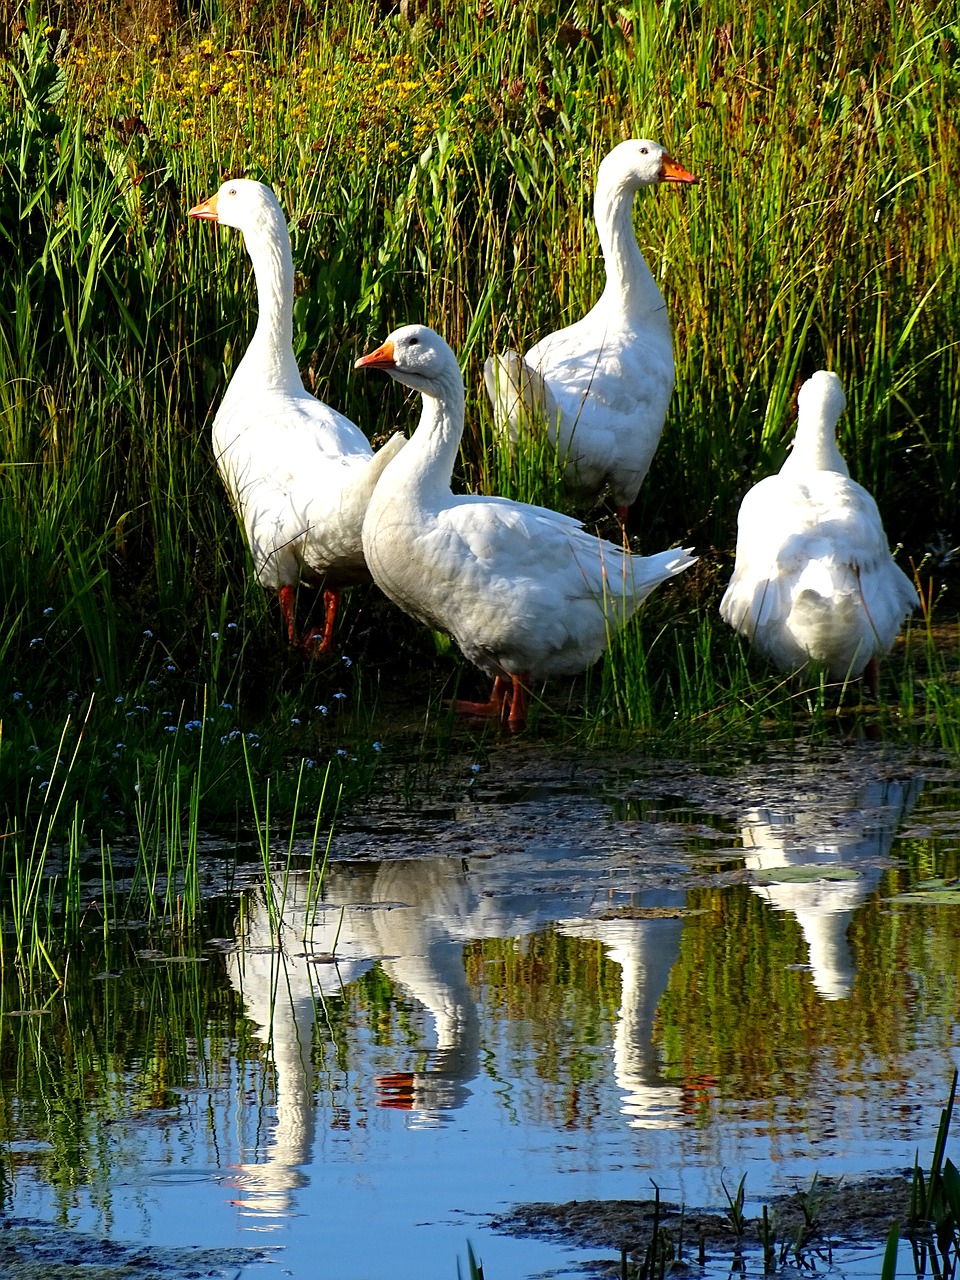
(298, 473)
(525, 592)
(814, 580)
(602, 385)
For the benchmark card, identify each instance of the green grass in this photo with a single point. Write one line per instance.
(440, 172)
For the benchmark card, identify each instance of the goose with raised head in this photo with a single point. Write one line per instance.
(602, 386)
(525, 592)
(298, 473)
(813, 579)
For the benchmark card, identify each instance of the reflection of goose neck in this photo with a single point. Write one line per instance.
(272, 987)
(646, 951)
(437, 979)
(420, 916)
(825, 825)
(831, 959)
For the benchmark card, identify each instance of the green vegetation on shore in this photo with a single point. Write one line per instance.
(436, 162)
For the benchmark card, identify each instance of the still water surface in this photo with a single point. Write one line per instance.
(553, 981)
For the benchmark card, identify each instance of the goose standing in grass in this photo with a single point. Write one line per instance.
(298, 473)
(814, 580)
(525, 592)
(602, 385)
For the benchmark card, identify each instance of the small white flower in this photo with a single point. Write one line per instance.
(340, 751)
(170, 728)
(339, 697)
(474, 768)
(294, 719)
(118, 699)
(215, 635)
(48, 610)
(148, 634)
(347, 662)
(35, 641)
(226, 706)
(17, 696)
(322, 709)
(378, 746)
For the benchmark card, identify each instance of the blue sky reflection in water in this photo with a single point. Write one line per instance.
(583, 983)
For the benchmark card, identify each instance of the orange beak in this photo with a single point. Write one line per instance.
(206, 209)
(382, 358)
(670, 171)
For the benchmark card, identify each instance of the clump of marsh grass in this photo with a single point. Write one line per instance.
(819, 235)
(934, 1209)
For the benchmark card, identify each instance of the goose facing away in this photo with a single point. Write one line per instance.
(298, 473)
(525, 592)
(813, 579)
(602, 385)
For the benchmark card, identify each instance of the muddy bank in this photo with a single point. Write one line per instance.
(835, 1213)
(43, 1251)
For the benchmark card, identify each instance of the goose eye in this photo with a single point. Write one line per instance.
(232, 191)
(413, 341)
(644, 151)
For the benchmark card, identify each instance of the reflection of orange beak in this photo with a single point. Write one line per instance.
(206, 209)
(382, 358)
(670, 171)
(395, 1091)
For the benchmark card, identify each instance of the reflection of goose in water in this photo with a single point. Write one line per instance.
(416, 925)
(827, 825)
(645, 949)
(282, 987)
(413, 918)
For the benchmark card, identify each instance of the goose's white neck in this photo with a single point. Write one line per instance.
(630, 288)
(269, 362)
(815, 443)
(431, 453)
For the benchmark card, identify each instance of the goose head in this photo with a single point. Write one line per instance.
(820, 403)
(417, 357)
(821, 397)
(639, 162)
(241, 203)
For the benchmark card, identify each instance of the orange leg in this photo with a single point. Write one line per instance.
(508, 704)
(496, 708)
(308, 642)
(519, 698)
(287, 603)
(396, 1090)
(331, 602)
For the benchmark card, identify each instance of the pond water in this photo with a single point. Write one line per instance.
(552, 979)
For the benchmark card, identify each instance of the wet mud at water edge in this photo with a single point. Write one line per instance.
(531, 988)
